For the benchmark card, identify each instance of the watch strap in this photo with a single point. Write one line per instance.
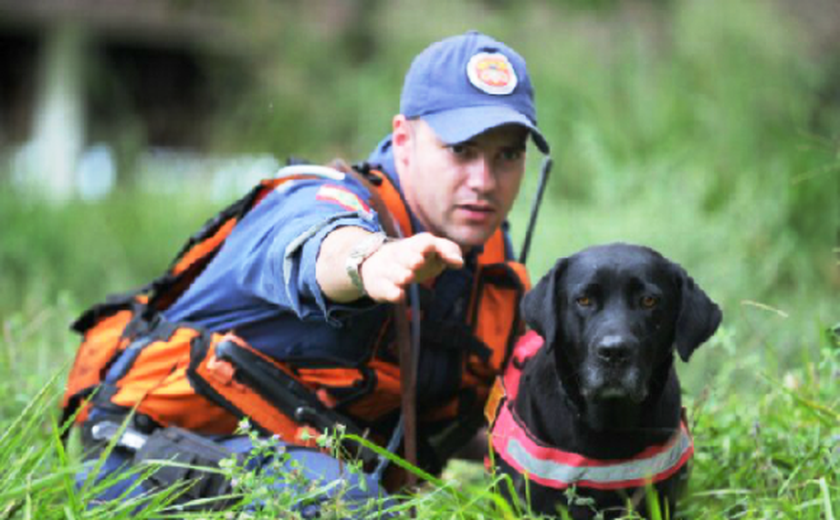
(360, 252)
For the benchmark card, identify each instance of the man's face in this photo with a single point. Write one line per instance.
(464, 191)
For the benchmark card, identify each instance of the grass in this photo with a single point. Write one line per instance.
(690, 128)
(769, 452)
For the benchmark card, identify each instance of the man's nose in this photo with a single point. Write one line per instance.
(480, 174)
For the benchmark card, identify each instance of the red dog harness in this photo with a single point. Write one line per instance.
(552, 467)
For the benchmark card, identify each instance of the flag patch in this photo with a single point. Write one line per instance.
(343, 197)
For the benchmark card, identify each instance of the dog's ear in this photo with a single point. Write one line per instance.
(698, 318)
(539, 306)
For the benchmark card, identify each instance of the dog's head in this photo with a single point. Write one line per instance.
(614, 314)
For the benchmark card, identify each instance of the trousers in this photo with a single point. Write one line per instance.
(270, 475)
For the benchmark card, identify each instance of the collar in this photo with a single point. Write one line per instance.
(553, 467)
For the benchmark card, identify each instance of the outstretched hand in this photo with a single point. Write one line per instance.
(387, 273)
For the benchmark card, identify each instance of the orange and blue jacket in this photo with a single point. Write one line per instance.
(141, 350)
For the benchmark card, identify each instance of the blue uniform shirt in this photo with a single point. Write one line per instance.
(262, 284)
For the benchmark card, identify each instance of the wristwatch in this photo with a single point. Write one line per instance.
(359, 254)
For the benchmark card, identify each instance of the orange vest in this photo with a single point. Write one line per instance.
(174, 373)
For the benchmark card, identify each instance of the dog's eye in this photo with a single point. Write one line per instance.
(584, 301)
(649, 302)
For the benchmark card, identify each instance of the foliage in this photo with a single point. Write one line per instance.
(779, 456)
(40, 477)
(91, 249)
(686, 125)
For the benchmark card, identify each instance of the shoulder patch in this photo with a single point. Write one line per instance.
(343, 197)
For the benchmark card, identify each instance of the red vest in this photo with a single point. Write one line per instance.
(553, 467)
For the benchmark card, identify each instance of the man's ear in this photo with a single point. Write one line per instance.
(401, 136)
(540, 306)
(699, 317)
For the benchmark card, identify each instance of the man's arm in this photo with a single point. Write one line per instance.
(388, 271)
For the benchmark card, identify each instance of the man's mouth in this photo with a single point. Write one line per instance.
(477, 210)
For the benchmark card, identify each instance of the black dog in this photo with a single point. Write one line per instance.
(600, 401)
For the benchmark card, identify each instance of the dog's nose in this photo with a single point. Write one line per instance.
(613, 349)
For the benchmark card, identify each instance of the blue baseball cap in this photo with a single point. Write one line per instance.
(465, 85)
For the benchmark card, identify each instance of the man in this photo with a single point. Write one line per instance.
(306, 279)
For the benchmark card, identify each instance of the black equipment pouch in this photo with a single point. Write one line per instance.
(285, 393)
(196, 459)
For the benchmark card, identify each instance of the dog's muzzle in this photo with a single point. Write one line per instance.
(612, 370)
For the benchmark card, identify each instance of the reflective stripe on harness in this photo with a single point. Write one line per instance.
(555, 468)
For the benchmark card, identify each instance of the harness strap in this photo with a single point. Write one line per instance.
(408, 349)
(448, 335)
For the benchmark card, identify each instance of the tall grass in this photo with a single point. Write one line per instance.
(770, 453)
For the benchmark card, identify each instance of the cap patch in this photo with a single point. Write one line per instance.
(491, 72)
(343, 197)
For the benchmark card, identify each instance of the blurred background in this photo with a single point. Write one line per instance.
(707, 129)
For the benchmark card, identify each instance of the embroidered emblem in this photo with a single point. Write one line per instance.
(492, 72)
(343, 197)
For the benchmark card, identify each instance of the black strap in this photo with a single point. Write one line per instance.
(195, 463)
(112, 305)
(292, 398)
(448, 335)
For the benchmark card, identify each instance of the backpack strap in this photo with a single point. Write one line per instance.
(408, 349)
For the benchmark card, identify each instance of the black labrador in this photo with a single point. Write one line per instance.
(603, 387)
